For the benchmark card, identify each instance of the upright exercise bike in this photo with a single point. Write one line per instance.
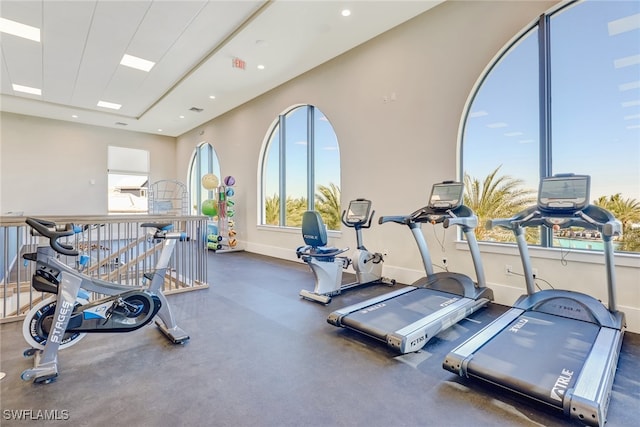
(64, 318)
(327, 264)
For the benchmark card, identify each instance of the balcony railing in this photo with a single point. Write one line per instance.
(116, 249)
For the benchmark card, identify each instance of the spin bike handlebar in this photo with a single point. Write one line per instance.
(53, 232)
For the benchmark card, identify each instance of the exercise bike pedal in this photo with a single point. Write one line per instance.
(30, 352)
(46, 380)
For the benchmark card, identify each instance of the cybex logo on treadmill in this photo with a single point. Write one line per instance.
(373, 308)
(449, 302)
(519, 324)
(561, 385)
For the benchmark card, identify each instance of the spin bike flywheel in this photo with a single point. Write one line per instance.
(36, 333)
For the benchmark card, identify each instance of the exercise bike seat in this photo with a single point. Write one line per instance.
(160, 226)
(314, 233)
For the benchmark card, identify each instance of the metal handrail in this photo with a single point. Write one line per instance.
(117, 250)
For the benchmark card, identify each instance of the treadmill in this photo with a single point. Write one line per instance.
(406, 319)
(557, 347)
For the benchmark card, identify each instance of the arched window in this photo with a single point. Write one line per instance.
(300, 169)
(564, 97)
(204, 161)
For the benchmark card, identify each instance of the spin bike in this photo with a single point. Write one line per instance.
(64, 319)
(325, 262)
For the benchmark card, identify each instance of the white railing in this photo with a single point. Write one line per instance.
(117, 248)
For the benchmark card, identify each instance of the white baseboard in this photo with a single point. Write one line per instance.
(503, 294)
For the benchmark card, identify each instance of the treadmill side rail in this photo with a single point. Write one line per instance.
(590, 396)
(413, 337)
(457, 360)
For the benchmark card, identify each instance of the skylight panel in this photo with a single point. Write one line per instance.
(27, 89)
(21, 30)
(137, 63)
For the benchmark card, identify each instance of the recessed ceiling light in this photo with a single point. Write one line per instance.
(212, 97)
(182, 117)
(75, 116)
(111, 105)
(345, 12)
(159, 130)
(260, 67)
(27, 89)
(21, 30)
(137, 63)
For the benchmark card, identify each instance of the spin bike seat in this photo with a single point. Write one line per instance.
(160, 226)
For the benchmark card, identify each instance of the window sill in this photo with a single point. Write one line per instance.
(536, 252)
(294, 230)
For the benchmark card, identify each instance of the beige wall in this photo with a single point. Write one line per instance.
(391, 152)
(47, 166)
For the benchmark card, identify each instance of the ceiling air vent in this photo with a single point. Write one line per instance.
(195, 109)
(121, 124)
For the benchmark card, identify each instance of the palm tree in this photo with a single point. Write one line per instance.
(328, 204)
(627, 211)
(496, 197)
(272, 210)
(295, 209)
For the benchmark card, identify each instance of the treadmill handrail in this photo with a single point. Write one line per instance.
(399, 219)
(592, 217)
(462, 216)
(464, 222)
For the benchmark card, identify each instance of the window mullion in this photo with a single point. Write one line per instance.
(544, 60)
(282, 170)
(310, 159)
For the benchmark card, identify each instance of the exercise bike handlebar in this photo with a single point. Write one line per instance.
(53, 232)
(358, 224)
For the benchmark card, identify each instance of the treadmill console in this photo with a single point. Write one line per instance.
(358, 211)
(564, 193)
(446, 195)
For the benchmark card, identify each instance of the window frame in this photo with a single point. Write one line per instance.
(279, 125)
(545, 248)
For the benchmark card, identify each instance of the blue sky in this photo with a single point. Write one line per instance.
(595, 69)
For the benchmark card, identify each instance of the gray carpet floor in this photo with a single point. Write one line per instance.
(261, 356)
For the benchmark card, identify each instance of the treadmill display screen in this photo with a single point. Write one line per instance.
(358, 211)
(446, 195)
(564, 193)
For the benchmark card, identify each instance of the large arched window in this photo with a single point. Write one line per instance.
(204, 161)
(300, 169)
(564, 97)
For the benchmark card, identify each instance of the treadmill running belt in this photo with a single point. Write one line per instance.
(538, 355)
(388, 316)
